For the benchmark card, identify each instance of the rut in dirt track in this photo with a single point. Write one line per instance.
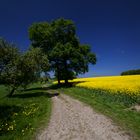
(73, 120)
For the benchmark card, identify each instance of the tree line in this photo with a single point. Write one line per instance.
(131, 72)
(54, 47)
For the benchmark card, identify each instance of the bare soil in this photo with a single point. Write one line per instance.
(73, 120)
(136, 108)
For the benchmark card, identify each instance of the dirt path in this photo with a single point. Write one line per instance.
(73, 120)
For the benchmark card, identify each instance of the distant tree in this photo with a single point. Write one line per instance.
(19, 70)
(67, 57)
(131, 72)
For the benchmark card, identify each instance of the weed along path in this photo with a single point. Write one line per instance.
(73, 120)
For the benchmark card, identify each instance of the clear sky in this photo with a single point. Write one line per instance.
(111, 27)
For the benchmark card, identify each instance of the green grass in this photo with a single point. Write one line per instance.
(115, 108)
(23, 115)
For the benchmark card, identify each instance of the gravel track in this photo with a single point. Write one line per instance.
(73, 120)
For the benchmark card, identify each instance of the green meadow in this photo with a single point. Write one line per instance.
(22, 115)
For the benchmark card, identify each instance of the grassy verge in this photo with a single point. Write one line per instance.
(22, 115)
(115, 108)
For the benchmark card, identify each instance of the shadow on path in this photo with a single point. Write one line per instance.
(35, 94)
(46, 91)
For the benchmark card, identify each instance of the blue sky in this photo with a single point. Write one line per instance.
(111, 27)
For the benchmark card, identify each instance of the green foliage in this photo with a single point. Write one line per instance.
(131, 72)
(33, 62)
(9, 58)
(18, 69)
(67, 57)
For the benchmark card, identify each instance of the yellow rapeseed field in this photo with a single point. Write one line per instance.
(116, 84)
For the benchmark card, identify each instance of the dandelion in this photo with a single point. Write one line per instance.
(11, 127)
(15, 114)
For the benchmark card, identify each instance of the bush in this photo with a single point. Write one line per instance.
(131, 72)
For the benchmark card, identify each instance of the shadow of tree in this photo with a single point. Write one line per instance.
(37, 88)
(63, 85)
(35, 94)
(6, 111)
(45, 91)
(6, 115)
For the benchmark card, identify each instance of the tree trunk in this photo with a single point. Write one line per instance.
(58, 75)
(66, 81)
(58, 81)
(12, 92)
(66, 72)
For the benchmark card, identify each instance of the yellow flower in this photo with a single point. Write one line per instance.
(115, 84)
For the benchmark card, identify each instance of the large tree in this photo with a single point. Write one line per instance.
(67, 57)
(9, 56)
(17, 69)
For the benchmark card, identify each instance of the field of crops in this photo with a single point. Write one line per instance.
(116, 84)
(127, 86)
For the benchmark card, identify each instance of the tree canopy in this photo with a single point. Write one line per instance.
(20, 69)
(131, 72)
(67, 57)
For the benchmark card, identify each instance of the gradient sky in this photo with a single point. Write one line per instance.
(111, 27)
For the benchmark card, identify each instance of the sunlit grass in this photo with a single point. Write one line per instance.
(117, 107)
(24, 113)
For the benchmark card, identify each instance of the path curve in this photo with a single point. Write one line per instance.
(73, 120)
